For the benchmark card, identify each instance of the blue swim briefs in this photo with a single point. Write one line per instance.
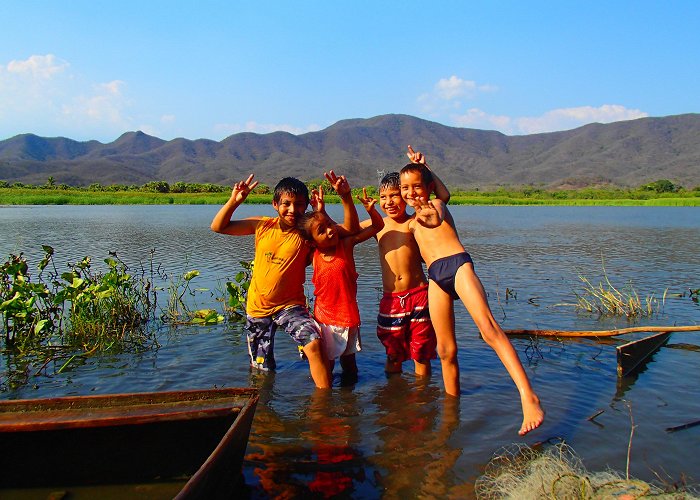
(442, 271)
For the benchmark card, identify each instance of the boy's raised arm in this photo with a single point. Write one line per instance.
(351, 221)
(441, 191)
(375, 222)
(222, 222)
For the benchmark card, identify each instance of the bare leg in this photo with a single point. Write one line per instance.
(471, 291)
(349, 364)
(423, 368)
(392, 366)
(318, 363)
(442, 314)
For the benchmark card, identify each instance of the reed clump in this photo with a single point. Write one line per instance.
(522, 473)
(607, 300)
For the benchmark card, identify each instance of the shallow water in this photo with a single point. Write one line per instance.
(398, 437)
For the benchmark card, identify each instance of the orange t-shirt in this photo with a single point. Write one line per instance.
(335, 283)
(279, 269)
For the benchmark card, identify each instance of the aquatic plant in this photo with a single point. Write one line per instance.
(607, 300)
(103, 306)
(81, 308)
(181, 306)
(238, 291)
(26, 307)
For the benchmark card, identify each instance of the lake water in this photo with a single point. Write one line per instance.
(396, 437)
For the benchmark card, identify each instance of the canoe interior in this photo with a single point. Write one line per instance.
(123, 438)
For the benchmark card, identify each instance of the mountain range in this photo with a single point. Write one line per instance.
(626, 154)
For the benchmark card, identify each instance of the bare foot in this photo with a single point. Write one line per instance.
(533, 414)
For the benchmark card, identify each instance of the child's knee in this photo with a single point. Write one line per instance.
(314, 348)
(447, 352)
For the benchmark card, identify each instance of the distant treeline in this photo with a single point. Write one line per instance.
(644, 191)
(660, 192)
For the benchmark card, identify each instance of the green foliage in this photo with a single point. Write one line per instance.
(26, 307)
(156, 187)
(605, 299)
(238, 291)
(103, 305)
(661, 186)
(80, 308)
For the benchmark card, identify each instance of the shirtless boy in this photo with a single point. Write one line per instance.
(452, 277)
(403, 323)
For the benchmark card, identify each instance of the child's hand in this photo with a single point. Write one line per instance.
(415, 156)
(426, 213)
(367, 201)
(242, 189)
(316, 201)
(340, 184)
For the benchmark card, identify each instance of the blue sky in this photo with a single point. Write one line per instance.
(208, 69)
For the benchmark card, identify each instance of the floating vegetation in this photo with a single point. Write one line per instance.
(81, 308)
(237, 291)
(605, 299)
(522, 473)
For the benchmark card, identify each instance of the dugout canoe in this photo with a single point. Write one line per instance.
(198, 436)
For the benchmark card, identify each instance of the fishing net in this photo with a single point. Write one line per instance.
(521, 473)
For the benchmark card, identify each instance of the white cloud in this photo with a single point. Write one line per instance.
(37, 67)
(447, 92)
(224, 130)
(40, 95)
(551, 121)
(104, 104)
(568, 118)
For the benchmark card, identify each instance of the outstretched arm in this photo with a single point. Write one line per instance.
(441, 191)
(222, 222)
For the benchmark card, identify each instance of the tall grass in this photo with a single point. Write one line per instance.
(605, 299)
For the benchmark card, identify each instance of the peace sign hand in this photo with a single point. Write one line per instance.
(415, 156)
(340, 184)
(367, 201)
(242, 189)
(316, 201)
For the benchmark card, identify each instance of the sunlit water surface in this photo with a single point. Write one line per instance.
(398, 437)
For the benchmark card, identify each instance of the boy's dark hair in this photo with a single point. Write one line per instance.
(390, 181)
(419, 168)
(305, 222)
(290, 185)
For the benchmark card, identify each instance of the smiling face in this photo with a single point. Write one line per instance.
(322, 230)
(391, 202)
(413, 187)
(290, 208)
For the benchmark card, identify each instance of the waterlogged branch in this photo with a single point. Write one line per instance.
(602, 333)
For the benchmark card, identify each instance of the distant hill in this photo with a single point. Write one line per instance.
(626, 153)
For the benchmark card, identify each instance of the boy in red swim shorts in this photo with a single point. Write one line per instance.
(403, 323)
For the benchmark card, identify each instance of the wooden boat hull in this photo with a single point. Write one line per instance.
(127, 438)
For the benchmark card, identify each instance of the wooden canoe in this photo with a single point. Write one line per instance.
(199, 436)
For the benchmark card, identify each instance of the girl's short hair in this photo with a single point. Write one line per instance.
(306, 222)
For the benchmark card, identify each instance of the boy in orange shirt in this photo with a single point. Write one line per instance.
(276, 294)
(452, 277)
